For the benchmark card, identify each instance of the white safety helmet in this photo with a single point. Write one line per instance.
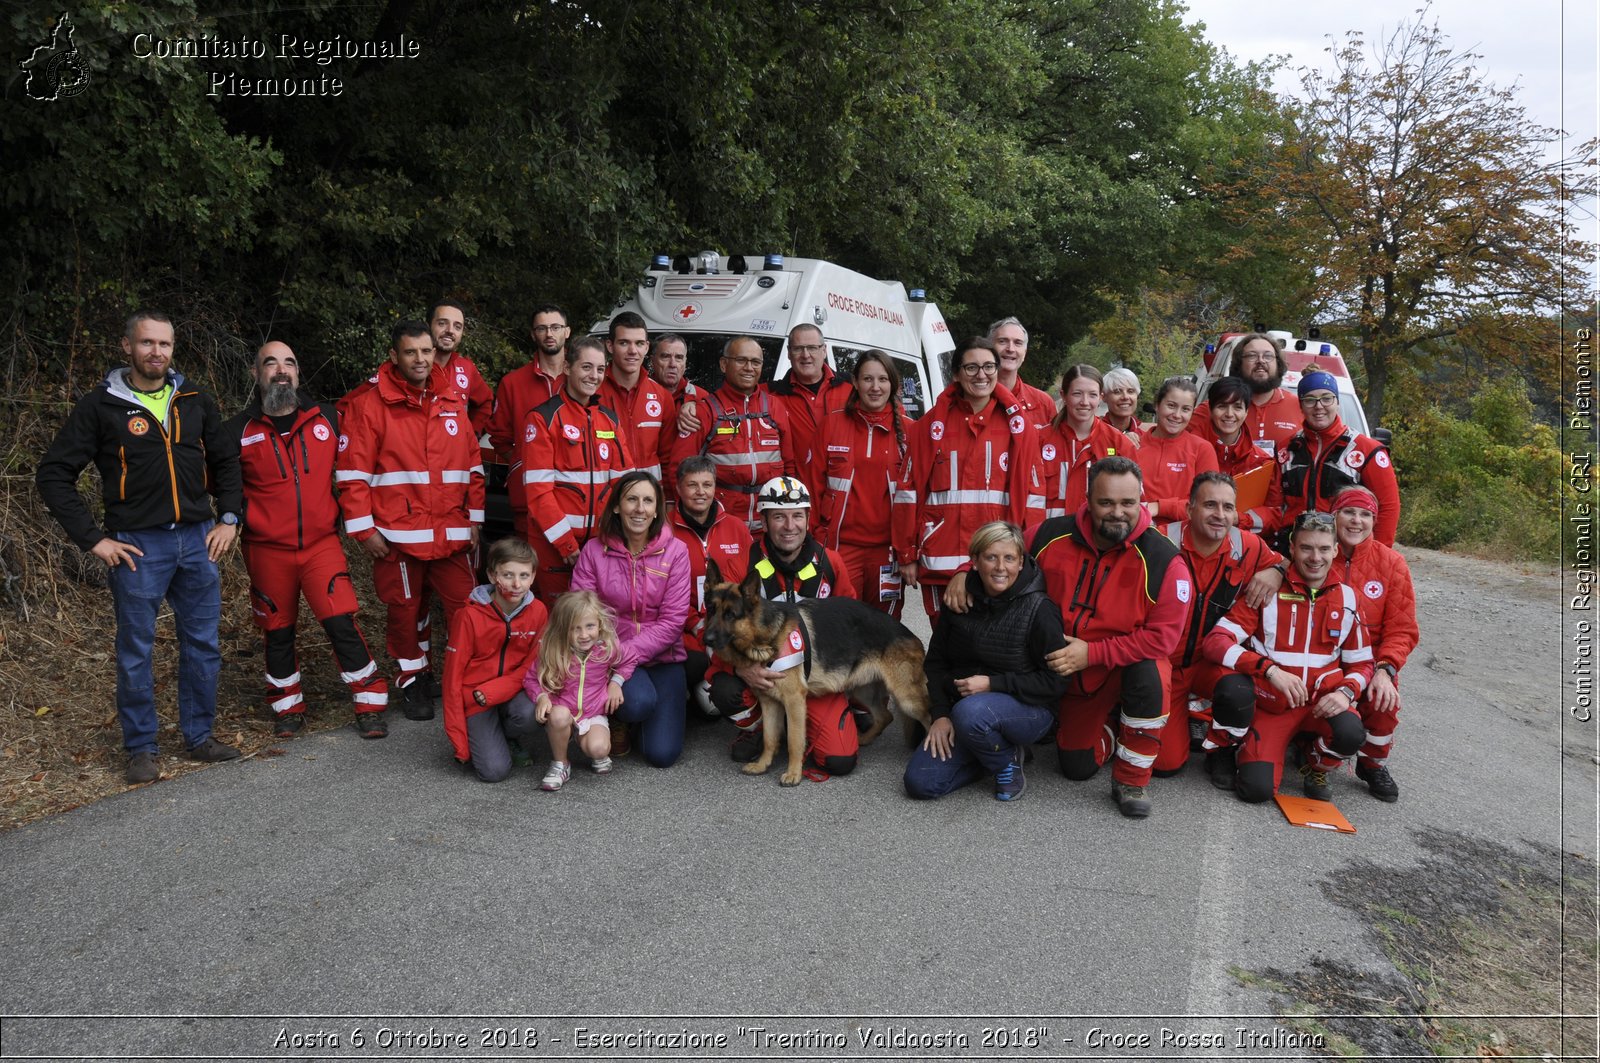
(783, 492)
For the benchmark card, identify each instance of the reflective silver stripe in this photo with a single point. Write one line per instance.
(1357, 656)
(943, 562)
(284, 704)
(754, 457)
(411, 664)
(787, 661)
(1285, 659)
(368, 698)
(1231, 628)
(837, 484)
(395, 535)
(404, 476)
(456, 476)
(475, 516)
(1138, 760)
(285, 684)
(356, 677)
(907, 497)
(1142, 723)
(357, 524)
(653, 470)
(1231, 657)
(457, 534)
(1035, 502)
(573, 476)
(1053, 512)
(1379, 740)
(970, 498)
(351, 475)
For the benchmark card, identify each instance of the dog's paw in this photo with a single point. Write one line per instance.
(790, 778)
(755, 767)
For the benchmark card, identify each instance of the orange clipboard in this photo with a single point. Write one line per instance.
(1252, 486)
(1319, 815)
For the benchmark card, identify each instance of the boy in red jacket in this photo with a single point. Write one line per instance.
(493, 639)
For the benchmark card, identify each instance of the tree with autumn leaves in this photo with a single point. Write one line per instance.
(1428, 210)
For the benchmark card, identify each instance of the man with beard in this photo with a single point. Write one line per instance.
(1274, 413)
(158, 444)
(1124, 590)
(288, 448)
(792, 565)
(1011, 348)
(448, 323)
(522, 391)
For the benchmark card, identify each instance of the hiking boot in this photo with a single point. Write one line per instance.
(1197, 733)
(288, 724)
(1009, 783)
(371, 724)
(143, 767)
(520, 756)
(414, 700)
(621, 740)
(1222, 765)
(1380, 783)
(746, 745)
(1315, 783)
(212, 752)
(1132, 801)
(560, 771)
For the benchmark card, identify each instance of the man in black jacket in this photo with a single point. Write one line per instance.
(155, 439)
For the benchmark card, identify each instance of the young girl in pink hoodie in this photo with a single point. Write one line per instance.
(576, 683)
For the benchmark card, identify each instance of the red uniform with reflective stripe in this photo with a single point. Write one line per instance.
(466, 379)
(964, 469)
(749, 440)
(488, 652)
(858, 462)
(806, 406)
(647, 416)
(408, 467)
(1243, 456)
(1064, 462)
(727, 542)
(521, 391)
(1169, 467)
(570, 456)
(1316, 635)
(1381, 580)
(288, 477)
(1316, 466)
(1036, 405)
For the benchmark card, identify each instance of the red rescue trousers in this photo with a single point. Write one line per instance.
(278, 577)
(867, 565)
(1276, 725)
(1380, 729)
(1091, 725)
(1188, 695)
(403, 584)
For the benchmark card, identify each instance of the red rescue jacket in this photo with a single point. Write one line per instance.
(521, 391)
(570, 456)
(1064, 462)
(647, 416)
(288, 477)
(858, 463)
(488, 651)
(806, 406)
(1269, 426)
(1169, 467)
(749, 440)
(408, 467)
(1318, 465)
(726, 541)
(1243, 456)
(964, 469)
(1384, 593)
(1218, 579)
(466, 379)
(1314, 634)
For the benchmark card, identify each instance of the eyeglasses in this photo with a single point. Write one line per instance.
(1258, 356)
(745, 363)
(1326, 400)
(807, 348)
(545, 330)
(1314, 520)
(984, 368)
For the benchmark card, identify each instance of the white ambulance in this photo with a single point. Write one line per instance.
(711, 298)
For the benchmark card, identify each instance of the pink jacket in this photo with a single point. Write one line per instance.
(585, 692)
(649, 593)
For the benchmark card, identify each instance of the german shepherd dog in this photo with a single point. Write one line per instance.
(837, 645)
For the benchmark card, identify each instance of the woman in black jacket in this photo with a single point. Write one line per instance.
(992, 694)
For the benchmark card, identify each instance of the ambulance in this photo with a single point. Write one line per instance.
(1300, 353)
(711, 298)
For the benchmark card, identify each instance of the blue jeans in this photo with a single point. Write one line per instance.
(990, 731)
(175, 567)
(654, 697)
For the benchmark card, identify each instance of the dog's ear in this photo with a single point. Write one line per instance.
(713, 573)
(751, 587)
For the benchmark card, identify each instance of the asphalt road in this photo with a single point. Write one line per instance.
(375, 888)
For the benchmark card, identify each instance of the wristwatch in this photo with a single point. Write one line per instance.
(230, 519)
(1388, 668)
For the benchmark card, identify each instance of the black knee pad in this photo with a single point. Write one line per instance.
(727, 694)
(1233, 702)
(1141, 690)
(1254, 783)
(1348, 734)
(280, 652)
(349, 648)
(1077, 764)
(839, 765)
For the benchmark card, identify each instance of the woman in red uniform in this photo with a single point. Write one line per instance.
(859, 453)
(1253, 468)
(1169, 455)
(1121, 389)
(1068, 444)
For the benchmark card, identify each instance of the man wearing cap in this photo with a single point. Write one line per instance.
(1388, 605)
(1273, 415)
(158, 443)
(1327, 456)
(791, 565)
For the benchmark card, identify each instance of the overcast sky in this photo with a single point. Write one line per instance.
(1542, 46)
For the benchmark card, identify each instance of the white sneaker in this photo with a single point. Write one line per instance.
(601, 766)
(560, 771)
